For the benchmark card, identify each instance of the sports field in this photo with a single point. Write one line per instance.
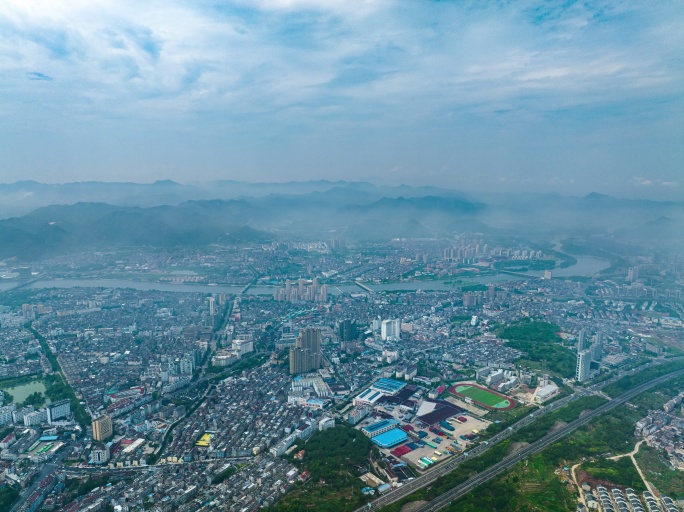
(482, 396)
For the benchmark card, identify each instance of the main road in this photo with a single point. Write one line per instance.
(442, 469)
(46, 470)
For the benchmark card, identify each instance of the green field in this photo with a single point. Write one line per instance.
(483, 396)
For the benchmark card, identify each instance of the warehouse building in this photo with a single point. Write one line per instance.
(379, 427)
(390, 438)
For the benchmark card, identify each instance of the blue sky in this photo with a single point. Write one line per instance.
(567, 97)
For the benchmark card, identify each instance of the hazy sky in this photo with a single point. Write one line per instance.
(567, 96)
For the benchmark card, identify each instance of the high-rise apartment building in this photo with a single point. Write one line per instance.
(186, 365)
(59, 409)
(306, 354)
(597, 347)
(471, 299)
(243, 346)
(633, 274)
(308, 291)
(346, 330)
(583, 366)
(390, 330)
(100, 453)
(582, 340)
(102, 428)
(338, 244)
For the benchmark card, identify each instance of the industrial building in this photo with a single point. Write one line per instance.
(543, 393)
(379, 390)
(432, 412)
(390, 438)
(379, 427)
(388, 386)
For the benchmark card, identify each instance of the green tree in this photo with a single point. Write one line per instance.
(36, 399)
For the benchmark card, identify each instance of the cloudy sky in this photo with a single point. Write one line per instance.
(570, 97)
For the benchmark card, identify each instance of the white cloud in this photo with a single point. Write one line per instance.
(243, 62)
(646, 182)
(350, 66)
(354, 8)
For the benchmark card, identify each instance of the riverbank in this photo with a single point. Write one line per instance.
(584, 266)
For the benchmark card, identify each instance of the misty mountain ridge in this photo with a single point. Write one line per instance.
(358, 211)
(23, 197)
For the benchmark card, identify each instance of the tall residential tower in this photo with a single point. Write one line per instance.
(582, 372)
(306, 354)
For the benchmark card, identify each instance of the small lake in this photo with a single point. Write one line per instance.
(21, 392)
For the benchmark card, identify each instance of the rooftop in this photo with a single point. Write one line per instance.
(390, 438)
(436, 411)
(388, 386)
(379, 425)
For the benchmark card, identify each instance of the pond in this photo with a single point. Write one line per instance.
(22, 391)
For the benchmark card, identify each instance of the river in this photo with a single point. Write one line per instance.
(333, 289)
(585, 266)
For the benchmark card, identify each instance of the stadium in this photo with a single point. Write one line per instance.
(482, 397)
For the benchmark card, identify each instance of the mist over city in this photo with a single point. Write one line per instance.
(308, 256)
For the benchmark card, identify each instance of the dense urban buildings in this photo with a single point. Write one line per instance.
(167, 382)
(329, 256)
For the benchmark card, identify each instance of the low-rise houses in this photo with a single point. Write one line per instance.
(665, 432)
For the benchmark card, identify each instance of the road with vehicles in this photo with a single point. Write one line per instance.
(448, 466)
(46, 470)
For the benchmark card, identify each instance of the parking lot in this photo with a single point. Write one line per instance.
(473, 423)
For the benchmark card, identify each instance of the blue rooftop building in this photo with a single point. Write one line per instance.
(390, 438)
(388, 386)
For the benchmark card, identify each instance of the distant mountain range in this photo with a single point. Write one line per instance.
(25, 196)
(165, 214)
